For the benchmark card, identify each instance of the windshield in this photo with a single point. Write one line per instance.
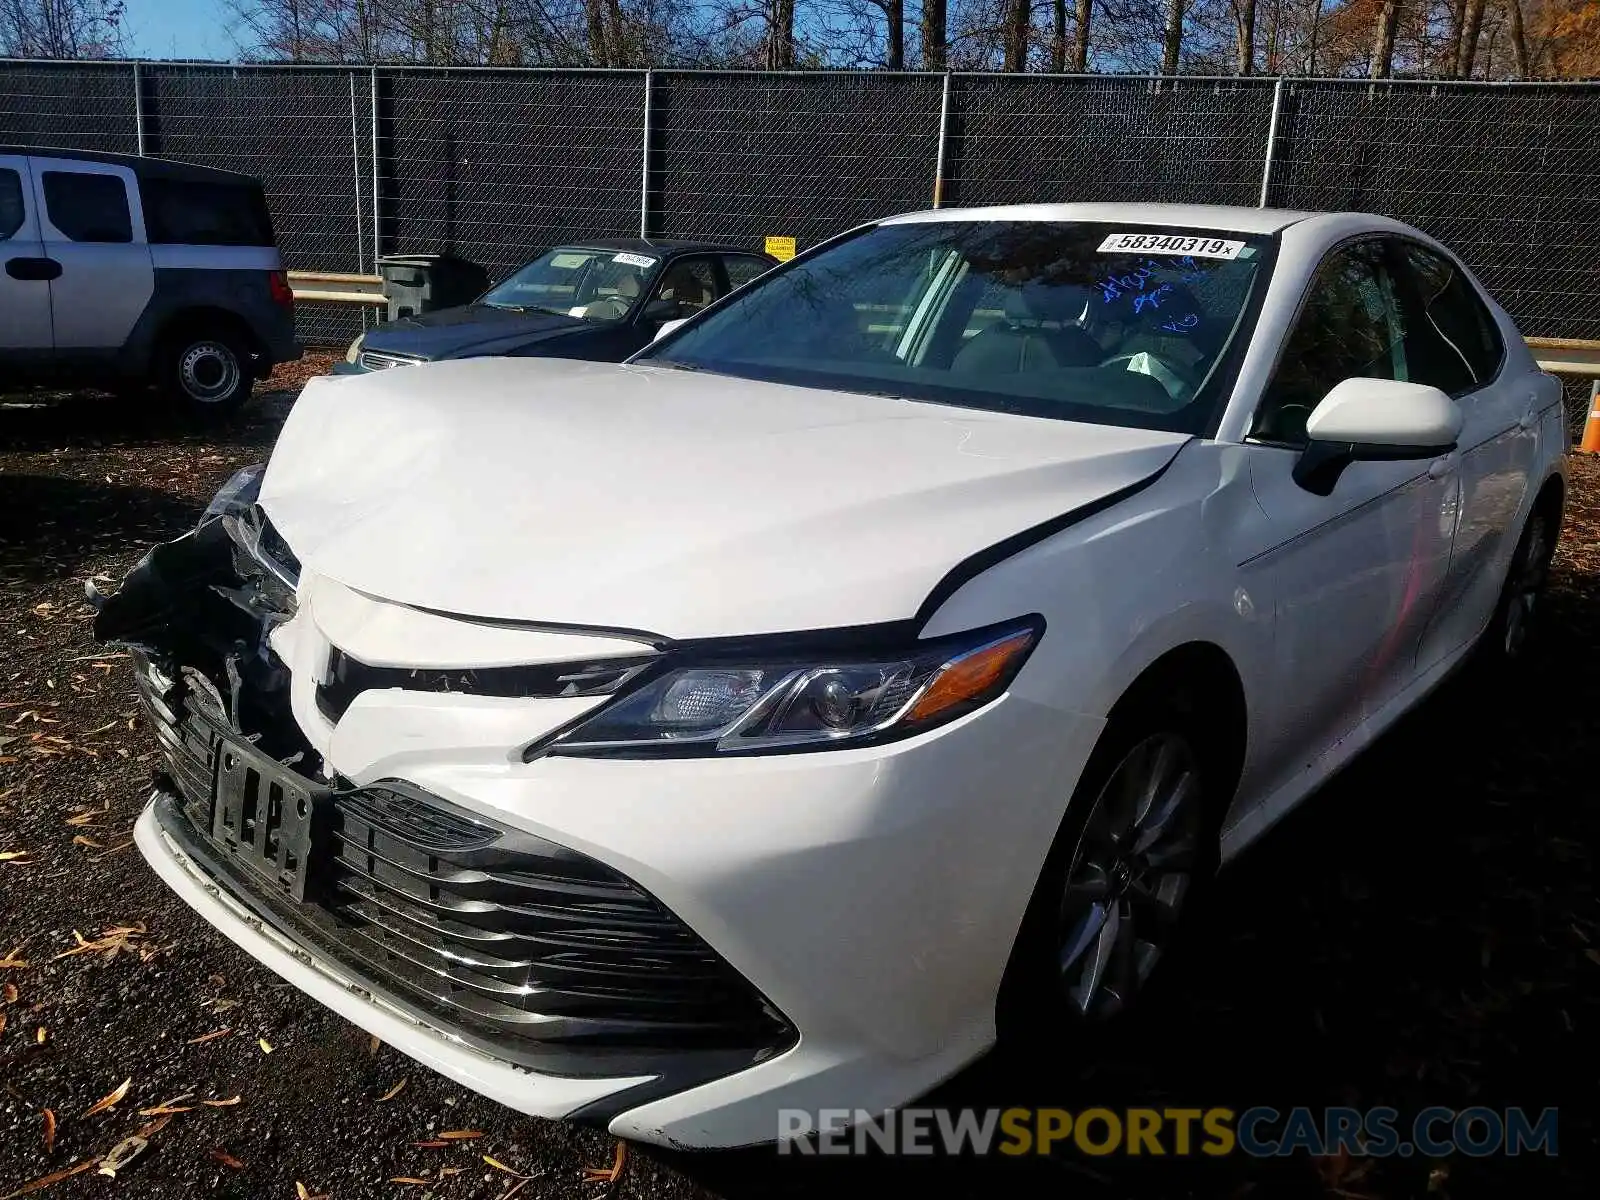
(597, 285)
(1107, 323)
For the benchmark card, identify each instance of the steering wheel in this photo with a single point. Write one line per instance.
(610, 308)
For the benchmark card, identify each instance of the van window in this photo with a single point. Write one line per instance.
(11, 212)
(200, 213)
(87, 207)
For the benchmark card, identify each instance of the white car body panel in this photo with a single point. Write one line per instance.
(755, 509)
(568, 511)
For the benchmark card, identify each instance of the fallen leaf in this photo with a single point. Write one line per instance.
(106, 1102)
(49, 1130)
(165, 1110)
(226, 1159)
(9, 992)
(409, 1179)
(208, 1037)
(41, 1034)
(85, 840)
(431, 1145)
(460, 1135)
(117, 849)
(300, 1191)
(11, 959)
(266, 1046)
(155, 1127)
(392, 1092)
(228, 1103)
(372, 1044)
(14, 855)
(608, 1174)
(50, 1180)
(500, 1166)
(123, 1153)
(2, 1022)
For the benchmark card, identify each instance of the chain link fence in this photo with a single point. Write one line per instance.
(492, 164)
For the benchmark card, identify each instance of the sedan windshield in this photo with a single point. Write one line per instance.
(597, 285)
(1114, 324)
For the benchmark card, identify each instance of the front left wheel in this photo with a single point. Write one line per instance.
(208, 372)
(1136, 850)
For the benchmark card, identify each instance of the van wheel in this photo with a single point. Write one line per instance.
(207, 372)
(1133, 858)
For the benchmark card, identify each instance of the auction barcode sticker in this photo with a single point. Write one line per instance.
(1170, 243)
(635, 260)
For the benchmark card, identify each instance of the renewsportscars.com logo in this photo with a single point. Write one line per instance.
(1260, 1132)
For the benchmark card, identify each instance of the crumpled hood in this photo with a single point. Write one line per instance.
(681, 503)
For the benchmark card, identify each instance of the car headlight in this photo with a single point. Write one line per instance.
(754, 705)
(238, 494)
(352, 354)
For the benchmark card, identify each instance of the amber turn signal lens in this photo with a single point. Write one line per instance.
(973, 677)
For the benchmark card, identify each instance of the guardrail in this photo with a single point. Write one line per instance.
(332, 287)
(1567, 356)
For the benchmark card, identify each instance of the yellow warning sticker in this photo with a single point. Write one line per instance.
(781, 248)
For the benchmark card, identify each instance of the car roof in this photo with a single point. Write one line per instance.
(661, 246)
(1192, 216)
(142, 166)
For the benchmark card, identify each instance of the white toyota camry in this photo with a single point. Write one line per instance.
(874, 666)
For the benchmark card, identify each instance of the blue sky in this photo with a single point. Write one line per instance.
(179, 29)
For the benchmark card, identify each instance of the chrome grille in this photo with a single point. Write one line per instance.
(380, 360)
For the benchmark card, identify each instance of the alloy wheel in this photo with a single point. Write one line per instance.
(1130, 876)
(1528, 575)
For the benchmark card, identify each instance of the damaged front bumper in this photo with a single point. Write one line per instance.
(505, 954)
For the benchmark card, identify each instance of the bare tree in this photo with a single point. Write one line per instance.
(1519, 37)
(1172, 42)
(780, 35)
(1080, 42)
(1467, 43)
(1244, 19)
(61, 28)
(935, 31)
(1019, 21)
(894, 33)
(1383, 39)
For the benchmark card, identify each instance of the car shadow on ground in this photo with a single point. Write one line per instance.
(48, 421)
(1418, 934)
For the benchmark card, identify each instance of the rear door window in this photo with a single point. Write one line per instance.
(87, 208)
(1451, 340)
(12, 211)
(201, 213)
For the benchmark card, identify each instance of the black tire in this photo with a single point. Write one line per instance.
(1515, 628)
(1040, 1003)
(207, 372)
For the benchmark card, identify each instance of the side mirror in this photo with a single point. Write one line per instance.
(661, 310)
(667, 327)
(1374, 420)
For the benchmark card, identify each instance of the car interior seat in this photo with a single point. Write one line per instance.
(1022, 341)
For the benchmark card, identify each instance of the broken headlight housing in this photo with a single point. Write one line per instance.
(238, 494)
(758, 704)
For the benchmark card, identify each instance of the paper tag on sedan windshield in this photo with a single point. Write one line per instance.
(1170, 243)
(635, 260)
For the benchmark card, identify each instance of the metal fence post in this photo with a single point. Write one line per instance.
(644, 157)
(944, 134)
(355, 171)
(138, 110)
(1272, 140)
(377, 222)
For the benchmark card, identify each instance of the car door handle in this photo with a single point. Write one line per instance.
(33, 268)
(1440, 467)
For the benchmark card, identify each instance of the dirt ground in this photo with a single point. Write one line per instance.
(1425, 932)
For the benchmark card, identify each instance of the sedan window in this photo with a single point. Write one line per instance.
(1084, 321)
(597, 285)
(1350, 327)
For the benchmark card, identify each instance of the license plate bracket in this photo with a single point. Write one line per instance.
(272, 820)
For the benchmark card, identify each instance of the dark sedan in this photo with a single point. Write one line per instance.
(601, 300)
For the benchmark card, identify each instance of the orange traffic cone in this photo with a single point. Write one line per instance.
(1591, 431)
